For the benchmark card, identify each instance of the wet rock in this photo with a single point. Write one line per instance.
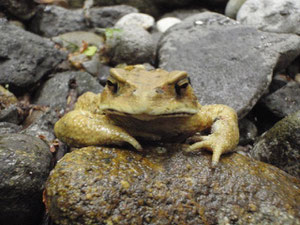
(108, 16)
(165, 23)
(248, 132)
(233, 7)
(279, 146)
(284, 101)
(100, 185)
(25, 57)
(56, 90)
(265, 215)
(211, 48)
(136, 19)
(24, 10)
(131, 45)
(7, 128)
(24, 167)
(279, 16)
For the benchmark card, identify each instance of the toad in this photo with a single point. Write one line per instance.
(155, 105)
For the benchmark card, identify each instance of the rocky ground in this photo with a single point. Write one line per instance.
(245, 54)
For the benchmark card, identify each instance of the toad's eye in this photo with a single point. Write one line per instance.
(112, 85)
(181, 86)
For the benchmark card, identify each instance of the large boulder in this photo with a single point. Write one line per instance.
(116, 186)
(279, 16)
(228, 63)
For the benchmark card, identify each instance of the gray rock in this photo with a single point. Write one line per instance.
(233, 7)
(55, 91)
(116, 186)
(228, 63)
(10, 114)
(25, 57)
(24, 10)
(53, 20)
(108, 16)
(279, 146)
(248, 132)
(284, 101)
(24, 167)
(41, 124)
(131, 45)
(7, 128)
(281, 16)
(136, 19)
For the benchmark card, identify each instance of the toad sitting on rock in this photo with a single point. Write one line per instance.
(151, 105)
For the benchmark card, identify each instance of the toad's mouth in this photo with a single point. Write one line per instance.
(148, 116)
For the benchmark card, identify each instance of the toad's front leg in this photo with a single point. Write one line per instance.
(81, 128)
(224, 135)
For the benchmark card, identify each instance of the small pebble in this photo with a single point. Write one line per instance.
(165, 23)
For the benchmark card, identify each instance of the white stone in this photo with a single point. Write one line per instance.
(138, 19)
(281, 16)
(233, 7)
(165, 23)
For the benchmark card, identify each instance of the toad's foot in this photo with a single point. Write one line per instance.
(211, 143)
(224, 137)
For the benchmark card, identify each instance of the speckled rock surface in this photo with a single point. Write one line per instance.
(221, 56)
(281, 16)
(25, 57)
(24, 167)
(280, 145)
(101, 185)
